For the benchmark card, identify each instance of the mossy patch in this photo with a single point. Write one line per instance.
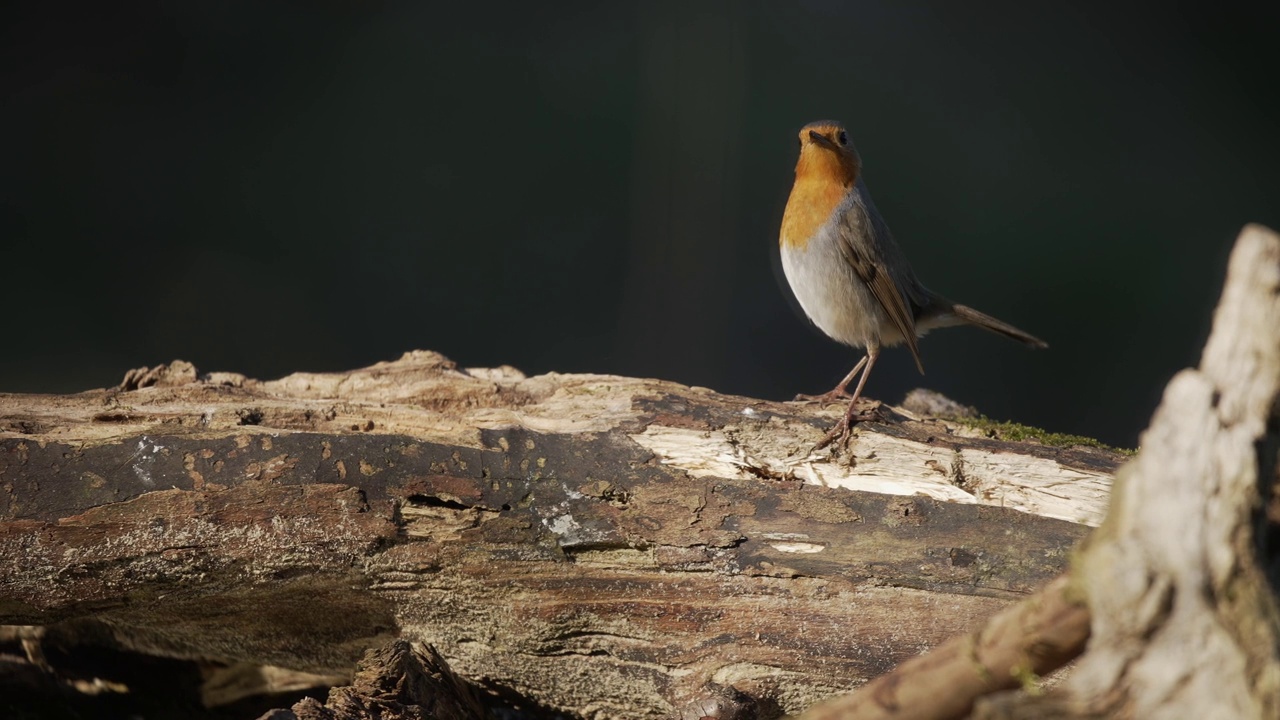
(1016, 432)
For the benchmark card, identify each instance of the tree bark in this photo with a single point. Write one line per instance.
(591, 545)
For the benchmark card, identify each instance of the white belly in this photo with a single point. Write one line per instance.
(833, 296)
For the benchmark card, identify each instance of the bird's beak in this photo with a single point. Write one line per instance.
(822, 140)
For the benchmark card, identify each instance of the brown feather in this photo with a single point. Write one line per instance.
(986, 322)
(878, 279)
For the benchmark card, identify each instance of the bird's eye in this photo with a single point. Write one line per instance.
(844, 138)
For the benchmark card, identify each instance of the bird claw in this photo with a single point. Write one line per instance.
(843, 430)
(827, 397)
(839, 432)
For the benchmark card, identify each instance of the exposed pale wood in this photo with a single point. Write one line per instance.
(902, 465)
(606, 546)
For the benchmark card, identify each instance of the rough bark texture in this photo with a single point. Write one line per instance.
(1017, 646)
(599, 546)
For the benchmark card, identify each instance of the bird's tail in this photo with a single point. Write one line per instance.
(986, 322)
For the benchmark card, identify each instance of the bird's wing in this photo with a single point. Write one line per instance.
(871, 268)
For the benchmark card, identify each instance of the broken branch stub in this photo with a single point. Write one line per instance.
(1185, 618)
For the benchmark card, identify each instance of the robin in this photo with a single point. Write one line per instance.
(847, 272)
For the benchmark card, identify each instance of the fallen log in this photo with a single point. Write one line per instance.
(598, 546)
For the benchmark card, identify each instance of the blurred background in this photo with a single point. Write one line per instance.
(597, 187)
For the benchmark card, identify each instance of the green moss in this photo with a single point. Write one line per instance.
(1016, 432)
(1029, 680)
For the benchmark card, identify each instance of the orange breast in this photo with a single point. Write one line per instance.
(811, 203)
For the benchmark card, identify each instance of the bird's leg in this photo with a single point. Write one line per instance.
(839, 392)
(842, 429)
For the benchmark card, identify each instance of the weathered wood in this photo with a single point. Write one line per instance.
(1017, 646)
(604, 546)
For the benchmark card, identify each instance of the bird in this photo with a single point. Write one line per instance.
(849, 275)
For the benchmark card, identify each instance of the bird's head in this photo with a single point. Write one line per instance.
(826, 155)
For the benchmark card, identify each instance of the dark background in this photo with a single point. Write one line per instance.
(597, 187)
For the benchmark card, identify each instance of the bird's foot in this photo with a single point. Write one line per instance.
(829, 396)
(838, 434)
(843, 430)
